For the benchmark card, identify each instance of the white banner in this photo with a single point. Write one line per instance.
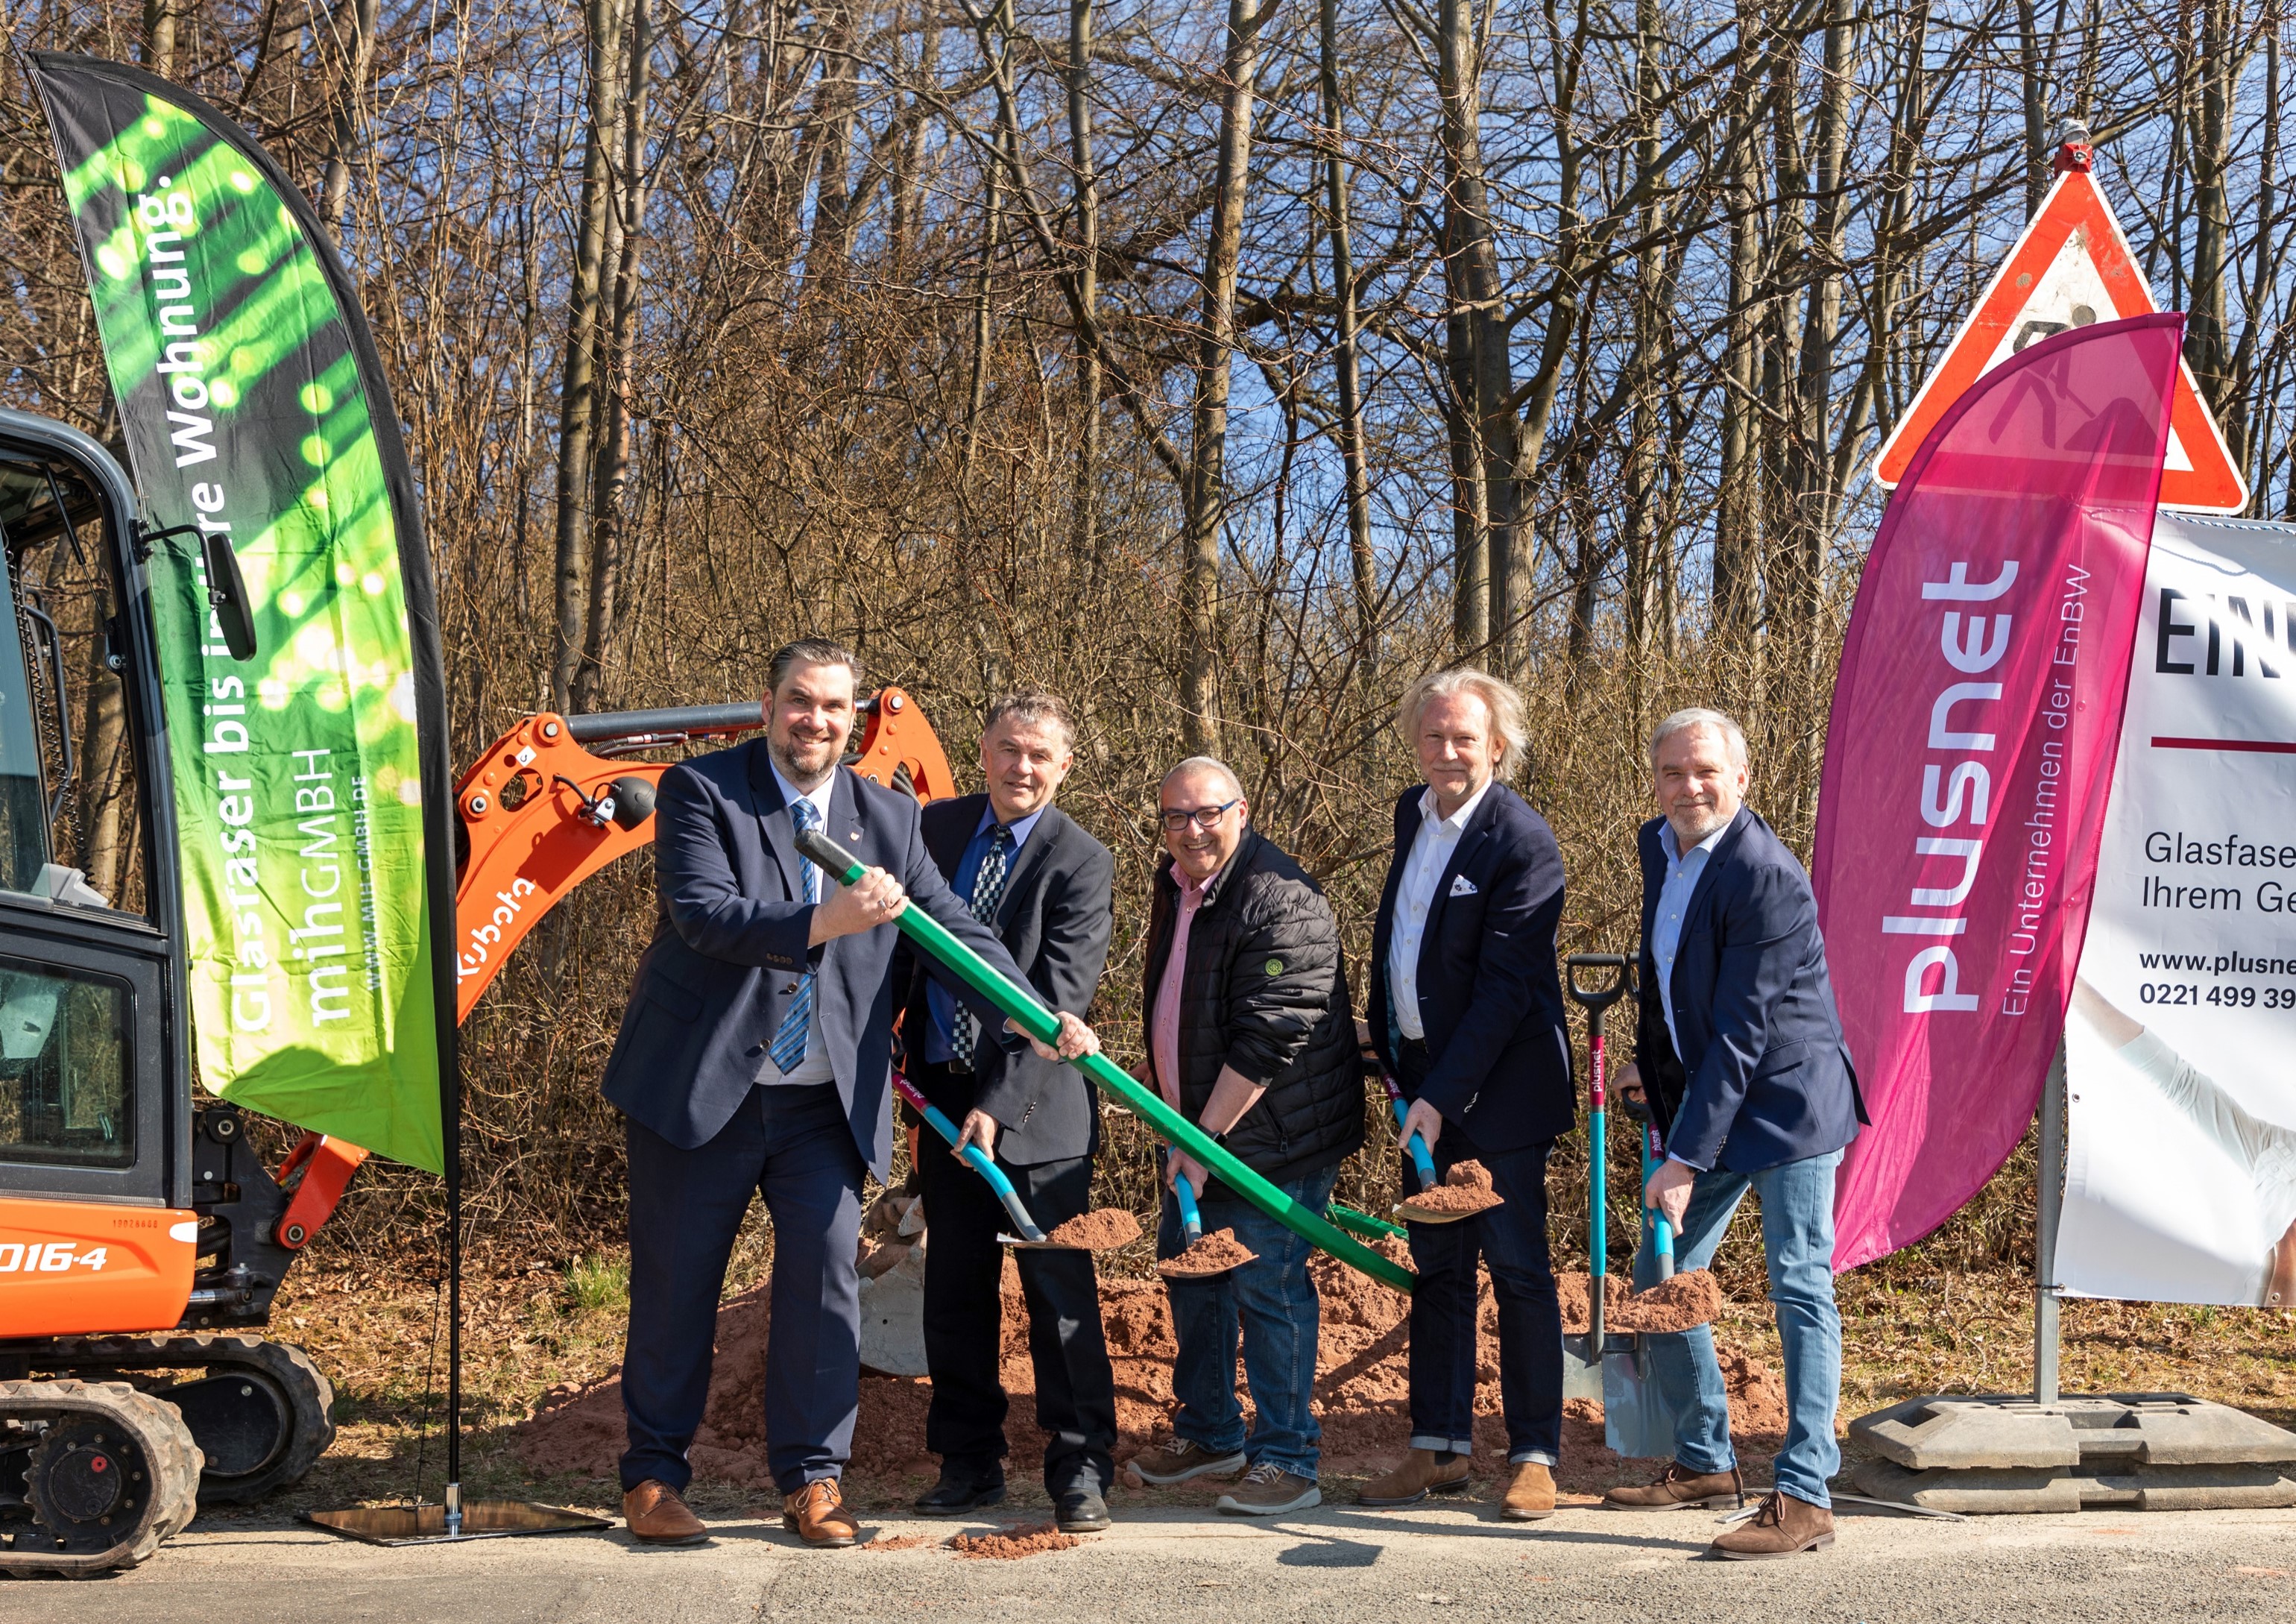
(2180, 1178)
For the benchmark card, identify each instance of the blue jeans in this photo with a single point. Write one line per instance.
(1798, 1240)
(1276, 1304)
(1512, 1240)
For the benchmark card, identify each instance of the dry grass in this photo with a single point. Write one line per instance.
(1913, 1324)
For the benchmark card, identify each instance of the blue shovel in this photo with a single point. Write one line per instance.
(982, 1163)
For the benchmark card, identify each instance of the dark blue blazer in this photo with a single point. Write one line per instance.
(1055, 917)
(730, 943)
(1490, 999)
(1764, 1077)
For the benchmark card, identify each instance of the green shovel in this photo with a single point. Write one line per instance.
(1028, 1012)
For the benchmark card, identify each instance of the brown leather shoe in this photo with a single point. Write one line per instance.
(816, 1514)
(1679, 1486)
(1531, 1494)
(1419, 1476)
(1783, 1526)
(657, 1516)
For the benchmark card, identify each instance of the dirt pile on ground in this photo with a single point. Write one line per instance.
(1215, 1254)
(1465, 1191)
(1362, 1389)
(1011, 1544)
(1102, 1229)
(1692, 1298)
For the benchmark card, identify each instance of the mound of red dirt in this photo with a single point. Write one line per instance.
(1362, 1386)
(1011, 1544)
(1692, 1298)
(1102, 1229)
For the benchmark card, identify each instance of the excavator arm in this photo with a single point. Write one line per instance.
(548, 805)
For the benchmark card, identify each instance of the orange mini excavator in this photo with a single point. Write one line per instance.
(141, 1239)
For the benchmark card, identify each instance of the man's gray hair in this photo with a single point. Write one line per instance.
(1206, 764)
(1734, 737)
(1033, 705)
(1500, 700)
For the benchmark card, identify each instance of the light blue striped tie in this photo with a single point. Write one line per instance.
(787, 1049)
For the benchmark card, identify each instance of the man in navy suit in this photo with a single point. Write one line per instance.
(1467, 1011)
(1739, 1051)
(1035, 876)
(755, 1056)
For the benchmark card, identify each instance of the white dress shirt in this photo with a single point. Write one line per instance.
(1431, 846)
(814, 1068)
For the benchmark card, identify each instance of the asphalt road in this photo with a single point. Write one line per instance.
(1336, 1565)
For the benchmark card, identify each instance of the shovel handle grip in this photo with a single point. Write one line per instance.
(1595, 999)
(975, 1157)
(1415, 1145)
(1192, 1222)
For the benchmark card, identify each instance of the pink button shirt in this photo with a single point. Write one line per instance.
(1164, 1032)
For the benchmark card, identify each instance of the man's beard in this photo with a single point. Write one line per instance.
(1708, 819)
(818, 757)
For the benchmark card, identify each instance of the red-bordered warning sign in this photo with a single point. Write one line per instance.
(2071, 267)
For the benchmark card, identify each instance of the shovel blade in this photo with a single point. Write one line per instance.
(1637, 1422)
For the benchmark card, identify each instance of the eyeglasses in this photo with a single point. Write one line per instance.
(1176, 821)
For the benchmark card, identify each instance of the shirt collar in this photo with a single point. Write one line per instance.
(1020, 826)
(792, 795)
(1666, 841)
(1458, 821)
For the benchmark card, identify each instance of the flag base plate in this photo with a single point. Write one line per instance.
(426, 1524)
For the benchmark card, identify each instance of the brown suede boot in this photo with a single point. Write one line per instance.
(1531, 1496)
(1783, 1526)
(816, 1514)
(1419, 1476)
(1679, 1486)
(657, 1516)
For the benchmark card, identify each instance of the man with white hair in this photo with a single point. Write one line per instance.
(1740, 1051)
(1466, 1013)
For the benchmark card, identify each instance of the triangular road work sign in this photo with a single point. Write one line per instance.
(2071, 267)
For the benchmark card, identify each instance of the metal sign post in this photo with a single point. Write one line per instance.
(2051, 1179)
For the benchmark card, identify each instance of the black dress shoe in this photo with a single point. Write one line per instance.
(1079, 1509)
(959, 1492)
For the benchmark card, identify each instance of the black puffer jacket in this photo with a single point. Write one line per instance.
(1264, 991)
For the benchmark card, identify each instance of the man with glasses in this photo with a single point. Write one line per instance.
(1249, 1035)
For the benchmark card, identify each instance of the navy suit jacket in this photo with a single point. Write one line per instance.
(1055, 917)
(1764, 1077)
(730, 943)
(1490, 999)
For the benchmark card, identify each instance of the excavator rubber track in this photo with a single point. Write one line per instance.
(94, 1476)
(258, 1410)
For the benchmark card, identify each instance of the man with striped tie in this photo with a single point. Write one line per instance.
(755, 1057)
(1044, 885)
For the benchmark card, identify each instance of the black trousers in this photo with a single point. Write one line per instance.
(1076, 1388)
(1511, 1240)
(795, 1147)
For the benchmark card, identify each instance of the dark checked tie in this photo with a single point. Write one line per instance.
(987, 892)
(789, 1043)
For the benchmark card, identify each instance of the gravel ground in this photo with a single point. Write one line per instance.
(1334, 1565)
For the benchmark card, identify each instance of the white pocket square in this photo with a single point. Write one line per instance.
(1461, 886)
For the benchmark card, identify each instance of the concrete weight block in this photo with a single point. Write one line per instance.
(2098, 1433)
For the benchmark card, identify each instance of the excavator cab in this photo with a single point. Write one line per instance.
(133, 1225)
